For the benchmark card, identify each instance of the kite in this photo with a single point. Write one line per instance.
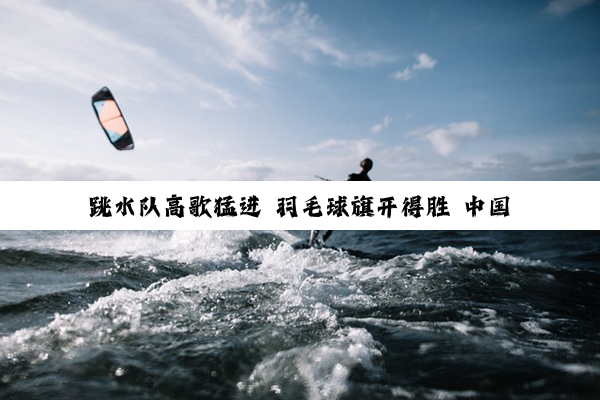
(111, 119)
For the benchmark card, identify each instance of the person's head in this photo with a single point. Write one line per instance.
(366, 164)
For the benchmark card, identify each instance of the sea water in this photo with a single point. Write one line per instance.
(243, 315)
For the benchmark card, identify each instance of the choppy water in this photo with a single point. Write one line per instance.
(413, 315)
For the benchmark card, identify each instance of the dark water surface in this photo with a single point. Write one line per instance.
(237, 314)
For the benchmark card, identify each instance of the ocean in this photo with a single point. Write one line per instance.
(243, 315)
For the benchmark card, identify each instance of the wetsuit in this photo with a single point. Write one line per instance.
(362, 176)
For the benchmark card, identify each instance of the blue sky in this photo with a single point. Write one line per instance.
(285, 90)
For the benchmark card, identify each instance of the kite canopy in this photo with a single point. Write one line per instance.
(111, 119)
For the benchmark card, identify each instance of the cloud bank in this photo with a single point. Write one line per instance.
(236, 170)
(14, 168)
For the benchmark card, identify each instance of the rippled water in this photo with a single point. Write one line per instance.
(432, 315)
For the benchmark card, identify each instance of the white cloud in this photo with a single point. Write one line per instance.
(404, 75)
(378, 127)
(43, 44)
(236, 170)
(358, 148)
(424, 61)
(18, 168)
(150, 142)
(522, 167)
(246, 35)
(447, 140)
(235, 31)
(562, 8)
(202, 45)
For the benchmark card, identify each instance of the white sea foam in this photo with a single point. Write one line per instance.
(181, 246)
(452, 255)
(305, 295)
(320, 370)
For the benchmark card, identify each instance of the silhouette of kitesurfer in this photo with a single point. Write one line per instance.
(365, 167)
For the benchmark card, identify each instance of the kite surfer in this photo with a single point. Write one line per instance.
(312, 241)
(366, 166)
